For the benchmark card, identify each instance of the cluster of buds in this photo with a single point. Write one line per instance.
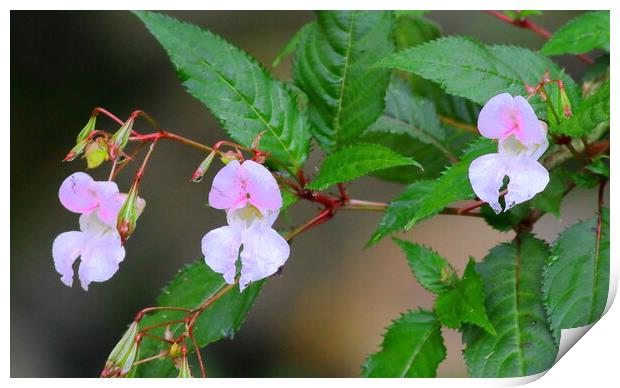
(563, 100)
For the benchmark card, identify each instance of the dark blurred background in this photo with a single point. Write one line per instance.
(327, 311)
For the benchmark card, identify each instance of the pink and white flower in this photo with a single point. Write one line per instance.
(522, 141)
(237, 185)
(252, 200)
(98, 242)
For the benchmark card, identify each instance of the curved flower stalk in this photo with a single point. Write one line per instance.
(98, 242)
(252, 200)
(522, 141)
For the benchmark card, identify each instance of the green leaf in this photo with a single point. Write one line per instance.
(576, 280)
(584, 33)
(464, 303)
(512, 276)
(432, 271)
(356, 161)
(586, 180)
(505, 221)
(412, 347)
(467, 68)
(333, 67)
(192, 286)
(424, 199)
(550, 200)
(291, 46)
(600, 166)
(408, 126)
(592, 112)
(236, 89)
(402, 209)
(410, 114)
(288, 198)
(411, 30)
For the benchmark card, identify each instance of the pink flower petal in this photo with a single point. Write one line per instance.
(100, 258)
(495, 117)
(503, 116)
(486, 174)
(221, 249)
(76, 193)
(65, 250)
(264, 251)
(261, 186)
(110, 201)
(228, 189)
(527, 178)
(529, 131)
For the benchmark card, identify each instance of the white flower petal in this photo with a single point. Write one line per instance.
(100, 258)
(221, 249)
(527, 178)
(92, 225)
(486, 174)
(65, 250)
(264, 251)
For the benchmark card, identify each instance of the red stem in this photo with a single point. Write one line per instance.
(530, 25)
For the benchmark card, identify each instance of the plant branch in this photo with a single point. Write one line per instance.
(527, 24)
(457, 124)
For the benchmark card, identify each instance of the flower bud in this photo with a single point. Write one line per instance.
(122, 357)
(257, 139)
(96, 153)
(184, 370)
(128, 215)
(203, 167)
(120, 138)
(76, 150)
(88, 128)
(565, 103)
(229, 156)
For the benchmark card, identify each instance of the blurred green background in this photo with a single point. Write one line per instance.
(328, 309)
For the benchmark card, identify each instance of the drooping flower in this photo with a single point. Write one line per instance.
(263, 250)
(252, 200)
(522, 141)
(98, 242)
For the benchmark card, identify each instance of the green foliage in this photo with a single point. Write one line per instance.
(414, 29)
(288, 198)
(576, 280)
(356, 161)
(291, 46)
(402, 209)
(458, 301)
(464, 303)
(600, 166)
(424, 199)
(407, 113)
(432, 271)
(409, 125)
(192, 286)
(512, 277)
(235, 88)
(505, 221)
(584, 33)
(333, 67)
(550, 200)
(519, 15)
(467, 68)
(412, 347)
(592, 112)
